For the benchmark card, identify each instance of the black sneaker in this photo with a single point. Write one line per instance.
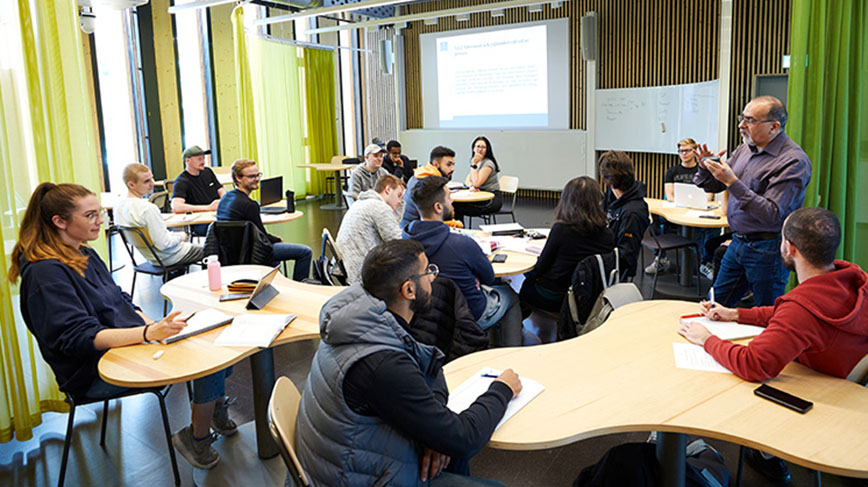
(772, 468)
(220, 420)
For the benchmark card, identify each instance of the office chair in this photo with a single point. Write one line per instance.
(135, 237)
(282, 413)
(74, 402)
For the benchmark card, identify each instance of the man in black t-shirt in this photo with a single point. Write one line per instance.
(196, 188)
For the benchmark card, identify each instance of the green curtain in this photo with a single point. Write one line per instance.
(269, 104)
(46, 134)
(828, 107)
(322, 141)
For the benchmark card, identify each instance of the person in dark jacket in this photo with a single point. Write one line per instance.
(76, 311)
(236, 205)
(374, 411)
(625, 207)
(579, 231)
(461, 259)
(448, 323)
(396, 163)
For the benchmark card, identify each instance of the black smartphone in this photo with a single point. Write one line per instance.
(783, 398)
(234, 297)
(499, 258)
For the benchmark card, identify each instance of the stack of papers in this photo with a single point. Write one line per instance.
(467, 393)
(725, 330)
(694, 357)
(200, 322)
(253, 330)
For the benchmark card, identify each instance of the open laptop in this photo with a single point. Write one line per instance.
(691, 196)
(270, 192)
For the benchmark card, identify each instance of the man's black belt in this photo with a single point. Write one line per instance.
(756, 236)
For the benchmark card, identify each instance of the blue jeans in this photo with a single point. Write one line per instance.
(205, 389)
(754, 266)
(301, 254)
(502, 308)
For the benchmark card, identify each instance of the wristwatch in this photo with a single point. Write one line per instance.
(473, 166)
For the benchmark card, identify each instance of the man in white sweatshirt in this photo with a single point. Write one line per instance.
(371, 221)
(136, 211)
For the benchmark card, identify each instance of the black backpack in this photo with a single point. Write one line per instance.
(635, 464)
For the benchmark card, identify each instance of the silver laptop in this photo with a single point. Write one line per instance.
(691, 196)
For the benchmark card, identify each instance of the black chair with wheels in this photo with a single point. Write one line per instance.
(134, 238)
(660, 243)
(75, 401)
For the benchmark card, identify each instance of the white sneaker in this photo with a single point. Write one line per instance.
(707, 270)
(660, 264)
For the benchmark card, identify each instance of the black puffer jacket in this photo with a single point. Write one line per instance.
(238, 242)
(448, 324)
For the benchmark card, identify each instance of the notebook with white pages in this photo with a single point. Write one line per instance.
(466, 394)
(253, 330)
(725, 330)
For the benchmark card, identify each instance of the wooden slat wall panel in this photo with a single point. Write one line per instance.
(381, 119)
(642, 43)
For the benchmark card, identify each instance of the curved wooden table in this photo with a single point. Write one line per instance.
(207, 217)
(467, 196)
(516, 262)
(679, 216)
(622, 377)
(197, 356)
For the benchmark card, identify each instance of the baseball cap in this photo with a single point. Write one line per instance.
(373, 149)
(195, 151)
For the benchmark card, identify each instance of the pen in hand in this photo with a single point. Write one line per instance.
(490, 376)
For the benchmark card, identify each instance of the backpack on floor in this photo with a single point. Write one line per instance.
(636, 465)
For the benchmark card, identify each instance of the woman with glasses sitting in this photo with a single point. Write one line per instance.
(76, 311)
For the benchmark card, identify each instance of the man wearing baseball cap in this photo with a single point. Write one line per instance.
(364, 176)
(196, 188)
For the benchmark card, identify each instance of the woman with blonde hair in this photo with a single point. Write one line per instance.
(76, 311)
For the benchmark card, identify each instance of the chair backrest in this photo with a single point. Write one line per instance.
(141, 240)
(238, 242)
(282, 413)
(350, 199)
(328, 270)
(161, 200)
(338, 159)
(859, 374)
(508, 184)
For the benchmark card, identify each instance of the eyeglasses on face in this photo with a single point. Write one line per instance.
(751, 120)
(252, 176)
(685, 151)
(96, 215)
(432, 270)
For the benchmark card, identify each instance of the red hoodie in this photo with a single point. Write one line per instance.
(822, 323)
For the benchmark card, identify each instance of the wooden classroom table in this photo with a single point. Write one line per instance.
(339, 198)
(467, 196)
(208, 217)
(679, 216)
(197, 356)
(516, 262)
(622, 377)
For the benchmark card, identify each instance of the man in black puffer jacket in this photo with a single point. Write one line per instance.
(625, 207)
(448, 324)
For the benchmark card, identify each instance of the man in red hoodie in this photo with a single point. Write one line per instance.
(822, 323)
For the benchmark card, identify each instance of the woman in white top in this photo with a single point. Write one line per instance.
(483, 176)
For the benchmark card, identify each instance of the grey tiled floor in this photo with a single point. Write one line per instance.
(136, 450)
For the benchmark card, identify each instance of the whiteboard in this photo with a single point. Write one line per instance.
(541, 159)
(655, 118)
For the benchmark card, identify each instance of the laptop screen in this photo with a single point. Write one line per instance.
(270, 190)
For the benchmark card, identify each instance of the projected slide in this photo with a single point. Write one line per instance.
(493, 79)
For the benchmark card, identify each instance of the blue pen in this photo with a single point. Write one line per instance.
(489, 376)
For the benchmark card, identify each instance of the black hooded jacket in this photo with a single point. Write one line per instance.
(627, 217)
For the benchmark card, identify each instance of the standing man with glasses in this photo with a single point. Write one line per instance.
(766, 179)
(374, 411)
(237, 205)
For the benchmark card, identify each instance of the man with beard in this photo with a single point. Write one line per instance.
(461, 259)
(442, 163)
(374, 408)
(766, 179)
(822, 323)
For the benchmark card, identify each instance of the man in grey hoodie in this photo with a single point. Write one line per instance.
(369, 222)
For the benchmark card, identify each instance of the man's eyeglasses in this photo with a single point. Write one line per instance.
(751, 120)
(685, 151)
(252, 176)
(432, 270)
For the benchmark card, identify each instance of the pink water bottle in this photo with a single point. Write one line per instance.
(214, 283)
